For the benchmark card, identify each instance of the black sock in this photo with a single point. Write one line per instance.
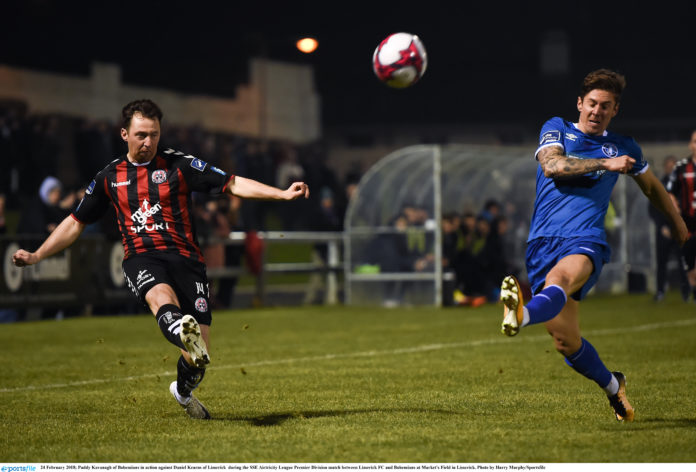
(188, 377)
(169, 322)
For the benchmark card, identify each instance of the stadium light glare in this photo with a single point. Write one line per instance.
(307, 45)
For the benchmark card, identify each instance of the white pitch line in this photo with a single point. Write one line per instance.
(373, 353)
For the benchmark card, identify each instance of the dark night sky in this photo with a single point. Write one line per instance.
(483, 59)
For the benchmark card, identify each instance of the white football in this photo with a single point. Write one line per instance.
(400, 60)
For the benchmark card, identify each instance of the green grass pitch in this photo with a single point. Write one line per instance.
(352, 384)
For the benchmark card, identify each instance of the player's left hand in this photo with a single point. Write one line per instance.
(297, 190)
(620, 164)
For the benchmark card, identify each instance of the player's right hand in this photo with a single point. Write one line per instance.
(680, 232)
(23, 258)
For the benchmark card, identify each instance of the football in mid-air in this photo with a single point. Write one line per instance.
(400, 60)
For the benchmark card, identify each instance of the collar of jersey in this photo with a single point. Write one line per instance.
(139, 164)
(578, 128)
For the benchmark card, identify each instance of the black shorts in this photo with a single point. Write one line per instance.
(187, 277)
(689, 251)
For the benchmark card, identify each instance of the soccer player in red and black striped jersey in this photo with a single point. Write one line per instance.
(682, 186)
(163, 265)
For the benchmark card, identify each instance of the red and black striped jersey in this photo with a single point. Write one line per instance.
(153, 201)
(682, 184)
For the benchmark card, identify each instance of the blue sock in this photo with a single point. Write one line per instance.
(586, 361)
(546, 304)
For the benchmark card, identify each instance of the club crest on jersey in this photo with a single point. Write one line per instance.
(610, 150)
(550, 137)
(198, 164)
(201, 304)
(159, 176)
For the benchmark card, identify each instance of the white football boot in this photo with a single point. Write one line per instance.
(193, 341)
(513, 312)
(194, 408)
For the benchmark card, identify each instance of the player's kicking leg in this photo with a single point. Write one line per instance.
(184, 332)
(513, 311)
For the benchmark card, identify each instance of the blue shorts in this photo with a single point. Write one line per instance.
(544, 253)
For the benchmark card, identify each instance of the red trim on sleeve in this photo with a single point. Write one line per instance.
(224, 187)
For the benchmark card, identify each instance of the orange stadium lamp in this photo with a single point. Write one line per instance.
(307, 45)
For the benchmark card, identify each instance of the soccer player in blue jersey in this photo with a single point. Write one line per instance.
(578, 166)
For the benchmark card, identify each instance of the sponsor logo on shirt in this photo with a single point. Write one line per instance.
(120, 184)
(219, 171)
(143, 215)
(553, 136)
(145, 211)
(571, 136)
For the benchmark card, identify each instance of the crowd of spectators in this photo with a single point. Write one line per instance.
(477, 248)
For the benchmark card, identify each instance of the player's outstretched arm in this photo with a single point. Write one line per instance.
(63, 236)
(252, 189)
(557, 165)
(651, 186)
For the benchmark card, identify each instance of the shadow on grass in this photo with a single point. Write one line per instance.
(276, 419)
(666, 423)
(647, 424)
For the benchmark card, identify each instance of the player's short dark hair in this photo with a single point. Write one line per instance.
(145, 107)
(604, 79)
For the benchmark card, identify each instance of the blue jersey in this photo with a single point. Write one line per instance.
(576, 207)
